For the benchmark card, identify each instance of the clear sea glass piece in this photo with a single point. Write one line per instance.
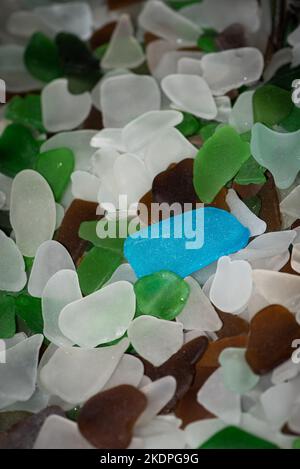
(12, 267)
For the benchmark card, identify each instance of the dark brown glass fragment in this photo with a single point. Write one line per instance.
(78, 212)
(107, 419)
(272, 332)
(270, 211)
(220, 200)
(232, 325)
(102, 35)
(23, 434)
(214, 349)
(232, 37)
(181, 366)
(248, 190)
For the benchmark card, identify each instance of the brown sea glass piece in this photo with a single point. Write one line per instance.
(214, 349)
(107, 419)
(23, 434)
(102, 35)
(181, 366)
(272, 332)
(232, 325)
(220, 200)
(78, 212)
(270, 211)
(187, 408)
(232, 37)
(94, 120)
(175, 185)
(248, 190)
(118, 4)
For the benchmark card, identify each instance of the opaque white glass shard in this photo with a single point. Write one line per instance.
(107, 315)
(199, 432)
(232, 285)
(102, 161)
(108, 139)
(129, 371)
(245, 216)
(162, 21)
(132, 177)
(295, 260)
(215, 14)
(61, 289)
(230, 69)
(126, 97)
(190, 66)
(278, 402)
(62, 110)
(191, 94)
(75, 374)
(198, 313)
(169, 62)
(13, 70)
(18, 374)
(290, 205)
(32, 211)
(123, 272)
(124, 51)
(224, 108)
(60, 433)
(155, 339)
(156, 50)
(166, 148)
(85, 186)
(12, 267)
(278, 288)
(158, 394)
(241, 117)
(294, 422)
(141, 131)
(285, 372)
(50, 257)
(78, 141)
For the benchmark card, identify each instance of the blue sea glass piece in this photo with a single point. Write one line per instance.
(185, 243)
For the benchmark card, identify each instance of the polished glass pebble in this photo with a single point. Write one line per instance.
(232, 325)
(124, 51)
(230, 237)
(61, 289)
(245, 216)
(88, 232)
(250, 173)
(85, 186)
(96, 268)
(168, 147)
(210, 358)
(41, 58)
(235, 438)
(18, 149)
(12, 267)
(241, 117)
(129, 371)
(60, 433)
(198, 313)
(50, 257)
(230, 69)
(62, 110)
(18, 376)
(189, 126)
(290, 204)
(141, 131)
(175, 185)
(237, 375)
(78, 212)
(108, 314)
(107, 419)
(23, 434)
(181, 366)
(26, 111)
(155, 339)
(162, 294)
(270, 211)
(234, 277)
(56, 166)
(214, 168)
(272, 325)
(190, 93)
(271, 105)
(7, 316)
(164, 22)
(278, 152)
(76, 374)
(33, 211)
(142, 94)
(158, 394)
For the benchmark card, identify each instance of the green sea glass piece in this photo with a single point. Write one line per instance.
(18, 150)
(296, 444)
(237, 374)
(88, 232)
(271, 105)
(218, 161)
(7, 316)
(56, 166)
(96, 268)
(207, 41)
(42, 59)
(26, 111)
(189, 126)
(250, 173)
(278, 152)
(29, 309)
(208, 130)
(162, 294)
(254, 203)
(235, 438)
(292, 122)
(285, 77)
(78, 62)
